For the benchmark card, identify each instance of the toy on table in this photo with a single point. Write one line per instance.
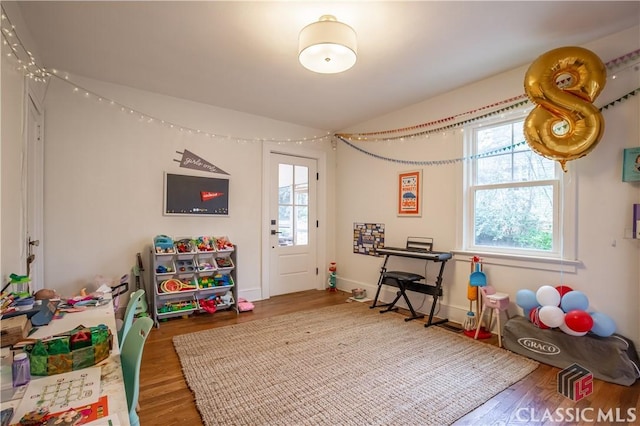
(46, 294)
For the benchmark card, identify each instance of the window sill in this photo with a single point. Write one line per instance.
(519, 261)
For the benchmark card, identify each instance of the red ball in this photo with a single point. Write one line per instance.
(535, 318)
(579, 321)
(563, 289)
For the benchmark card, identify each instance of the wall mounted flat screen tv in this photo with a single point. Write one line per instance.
(195, 195)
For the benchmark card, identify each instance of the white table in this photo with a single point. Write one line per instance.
(111, 383)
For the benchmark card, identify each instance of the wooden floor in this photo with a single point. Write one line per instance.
(165, 398)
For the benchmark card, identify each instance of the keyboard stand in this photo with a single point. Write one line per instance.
(401, 280)
(406, 281)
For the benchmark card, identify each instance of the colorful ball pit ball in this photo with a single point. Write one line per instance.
(548, 296)
(534, 317)
(574, 300)
(526, 299)
(603, 325)
(578, 321)
(552, 316)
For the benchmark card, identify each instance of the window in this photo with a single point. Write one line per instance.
(513, 198)
(293, 205)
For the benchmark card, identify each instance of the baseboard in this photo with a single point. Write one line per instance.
(455, 314)
(251, 294)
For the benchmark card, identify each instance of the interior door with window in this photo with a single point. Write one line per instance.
(293, 223)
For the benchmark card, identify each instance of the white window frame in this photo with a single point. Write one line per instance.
(562, 256)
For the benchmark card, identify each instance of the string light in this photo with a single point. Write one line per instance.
(31, 69)
(444, 125)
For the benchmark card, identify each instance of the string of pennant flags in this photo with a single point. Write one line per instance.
(512, 103)
(492, 153)
(29, 66)
(441, 129)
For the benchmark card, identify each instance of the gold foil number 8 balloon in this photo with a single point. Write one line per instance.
(564, 82)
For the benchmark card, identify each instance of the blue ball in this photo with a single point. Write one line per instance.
(574, 301)
(603, 325)
(526, 299)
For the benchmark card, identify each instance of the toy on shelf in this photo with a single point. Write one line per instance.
(205, 244)
(163, 244)
(208, 305)
(205, 266)
(185, 245)
(192, 274)
(217, 280)
(163, 269)
(223, 244)
(174, 285)
(185, 266)
(224, 262)
(170, 307)
(206, 282)
(222, 280)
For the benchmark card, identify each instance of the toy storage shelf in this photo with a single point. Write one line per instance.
(186, 277)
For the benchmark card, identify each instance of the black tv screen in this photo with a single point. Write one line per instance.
(195, 195)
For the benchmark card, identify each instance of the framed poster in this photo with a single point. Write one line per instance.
(195, 195)
(631, 165)
(409, 193)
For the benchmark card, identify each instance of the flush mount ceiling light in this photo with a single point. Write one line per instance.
(327, 46)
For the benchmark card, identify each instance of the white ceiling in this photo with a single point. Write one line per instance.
(243, 55)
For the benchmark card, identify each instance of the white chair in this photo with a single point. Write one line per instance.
(493, 300)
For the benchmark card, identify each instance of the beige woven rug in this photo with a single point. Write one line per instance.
(341, 365)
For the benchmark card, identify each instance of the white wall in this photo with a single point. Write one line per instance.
(104, 179)
(609, 272)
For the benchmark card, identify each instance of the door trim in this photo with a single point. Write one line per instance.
(321, 249)
(34, 183)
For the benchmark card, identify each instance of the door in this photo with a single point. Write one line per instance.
(35, 195)
(292, 224)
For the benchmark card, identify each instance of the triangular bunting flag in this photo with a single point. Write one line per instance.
(192, 161)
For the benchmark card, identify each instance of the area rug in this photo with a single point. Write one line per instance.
(341, 365)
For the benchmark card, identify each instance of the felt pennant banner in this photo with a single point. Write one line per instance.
(192, 161)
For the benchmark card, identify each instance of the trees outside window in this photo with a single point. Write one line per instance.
(512, 194)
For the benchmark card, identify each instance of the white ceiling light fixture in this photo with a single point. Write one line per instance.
(327, 46)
